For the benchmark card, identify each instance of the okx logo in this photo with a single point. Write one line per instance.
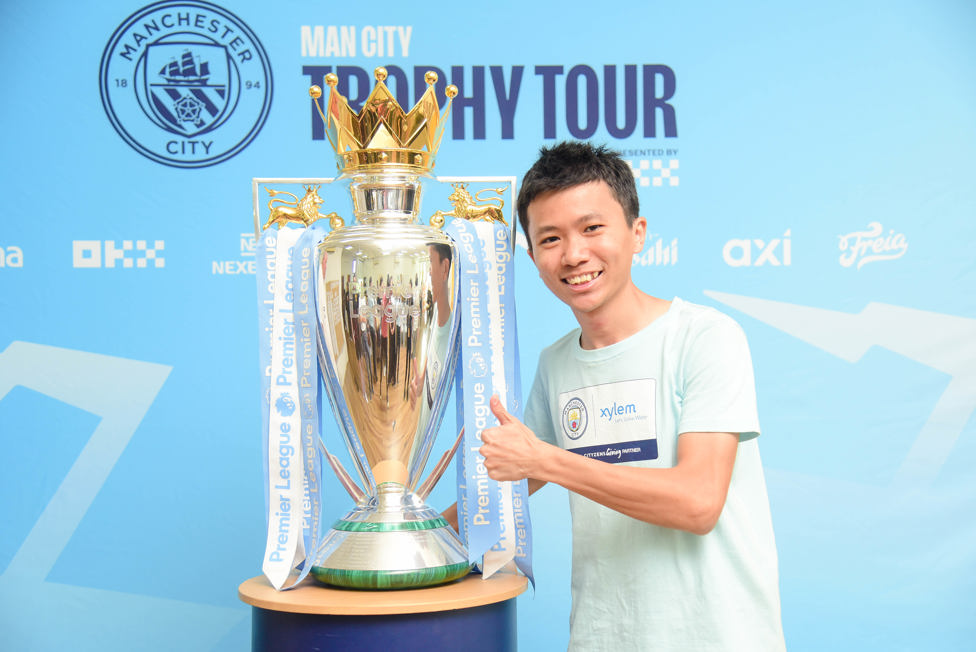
(127, 253)
(185, 84)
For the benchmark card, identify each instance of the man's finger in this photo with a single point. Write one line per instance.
(500, 412)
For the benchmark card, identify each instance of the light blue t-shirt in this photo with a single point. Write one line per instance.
(638, 586)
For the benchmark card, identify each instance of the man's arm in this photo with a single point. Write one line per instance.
(451, 514)
(689, 496)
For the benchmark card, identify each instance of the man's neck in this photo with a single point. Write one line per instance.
(613, 325)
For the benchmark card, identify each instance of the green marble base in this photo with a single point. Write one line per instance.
(409, 579)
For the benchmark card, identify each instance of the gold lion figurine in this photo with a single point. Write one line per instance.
(304, 210)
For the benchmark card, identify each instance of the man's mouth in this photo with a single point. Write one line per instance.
(579, 279)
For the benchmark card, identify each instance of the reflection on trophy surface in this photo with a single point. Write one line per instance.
(386, 309)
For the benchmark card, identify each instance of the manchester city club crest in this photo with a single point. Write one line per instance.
(186, 87)
(186, 84)
(574, 418)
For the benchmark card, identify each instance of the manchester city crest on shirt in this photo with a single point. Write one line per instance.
(186, 84)
(574, 418)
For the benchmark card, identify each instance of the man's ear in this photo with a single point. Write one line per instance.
(640, 232)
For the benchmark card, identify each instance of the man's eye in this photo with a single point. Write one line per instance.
(593, 227)
(548, 240)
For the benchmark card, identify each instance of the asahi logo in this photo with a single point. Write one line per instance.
(11, 256)
(756, 252)
(657, 252)
(186, 84)
(125, 254)
(862, 247)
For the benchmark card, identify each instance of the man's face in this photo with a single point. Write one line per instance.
(582, 246)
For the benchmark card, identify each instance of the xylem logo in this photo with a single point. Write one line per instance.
(11, 257)
(863, 247)
(740, 252)
(96, 254)
(657, 253)
(615, 410)
(245, 265)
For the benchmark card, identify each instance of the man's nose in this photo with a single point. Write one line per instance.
(575, 251)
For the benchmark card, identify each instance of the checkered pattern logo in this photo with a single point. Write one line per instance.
(655, 172)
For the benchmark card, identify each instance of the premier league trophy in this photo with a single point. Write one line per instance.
(385, 302)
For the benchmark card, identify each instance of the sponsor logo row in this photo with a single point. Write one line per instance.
(134, 254)
(856, 249)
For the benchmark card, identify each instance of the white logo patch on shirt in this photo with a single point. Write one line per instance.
(613, 422)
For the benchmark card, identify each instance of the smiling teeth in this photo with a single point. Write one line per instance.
(582, 278)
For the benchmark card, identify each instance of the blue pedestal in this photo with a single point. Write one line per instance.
(472, 615)
(489, 628)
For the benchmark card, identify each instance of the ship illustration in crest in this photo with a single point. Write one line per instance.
(186, 70)
(187, 88)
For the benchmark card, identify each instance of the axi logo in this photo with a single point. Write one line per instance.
(656, 253)
(186, 84)
(95, 254)
(11, 256)
(743, 252)
(863, 247)
(616, 410)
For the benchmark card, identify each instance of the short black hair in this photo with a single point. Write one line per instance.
(444, 251)
(573, 163)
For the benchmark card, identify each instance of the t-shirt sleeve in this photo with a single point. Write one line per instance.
(538, 416)
(718, 389)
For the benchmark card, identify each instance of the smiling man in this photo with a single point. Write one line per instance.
(646, 413)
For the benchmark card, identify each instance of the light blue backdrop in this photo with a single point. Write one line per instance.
(819, 188)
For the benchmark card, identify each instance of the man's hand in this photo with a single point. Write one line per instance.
(510, 449)
(416, 383)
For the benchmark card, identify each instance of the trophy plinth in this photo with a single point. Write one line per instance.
(392, 541)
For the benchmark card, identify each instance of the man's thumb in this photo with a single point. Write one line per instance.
(500, 412)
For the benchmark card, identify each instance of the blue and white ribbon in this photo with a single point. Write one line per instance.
(291, 404)
(494, 515)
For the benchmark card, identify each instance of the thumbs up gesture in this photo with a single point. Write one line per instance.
(510, 449)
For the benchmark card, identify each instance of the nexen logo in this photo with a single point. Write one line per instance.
(738, 252)
(96, 254)
(614, 410)
(230, 267)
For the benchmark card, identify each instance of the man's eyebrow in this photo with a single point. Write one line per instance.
(545, 229)
(582, 219)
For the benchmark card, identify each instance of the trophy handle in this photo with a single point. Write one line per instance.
(347, 482)
(439, 469)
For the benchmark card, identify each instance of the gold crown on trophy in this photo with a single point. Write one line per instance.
(382, 134)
